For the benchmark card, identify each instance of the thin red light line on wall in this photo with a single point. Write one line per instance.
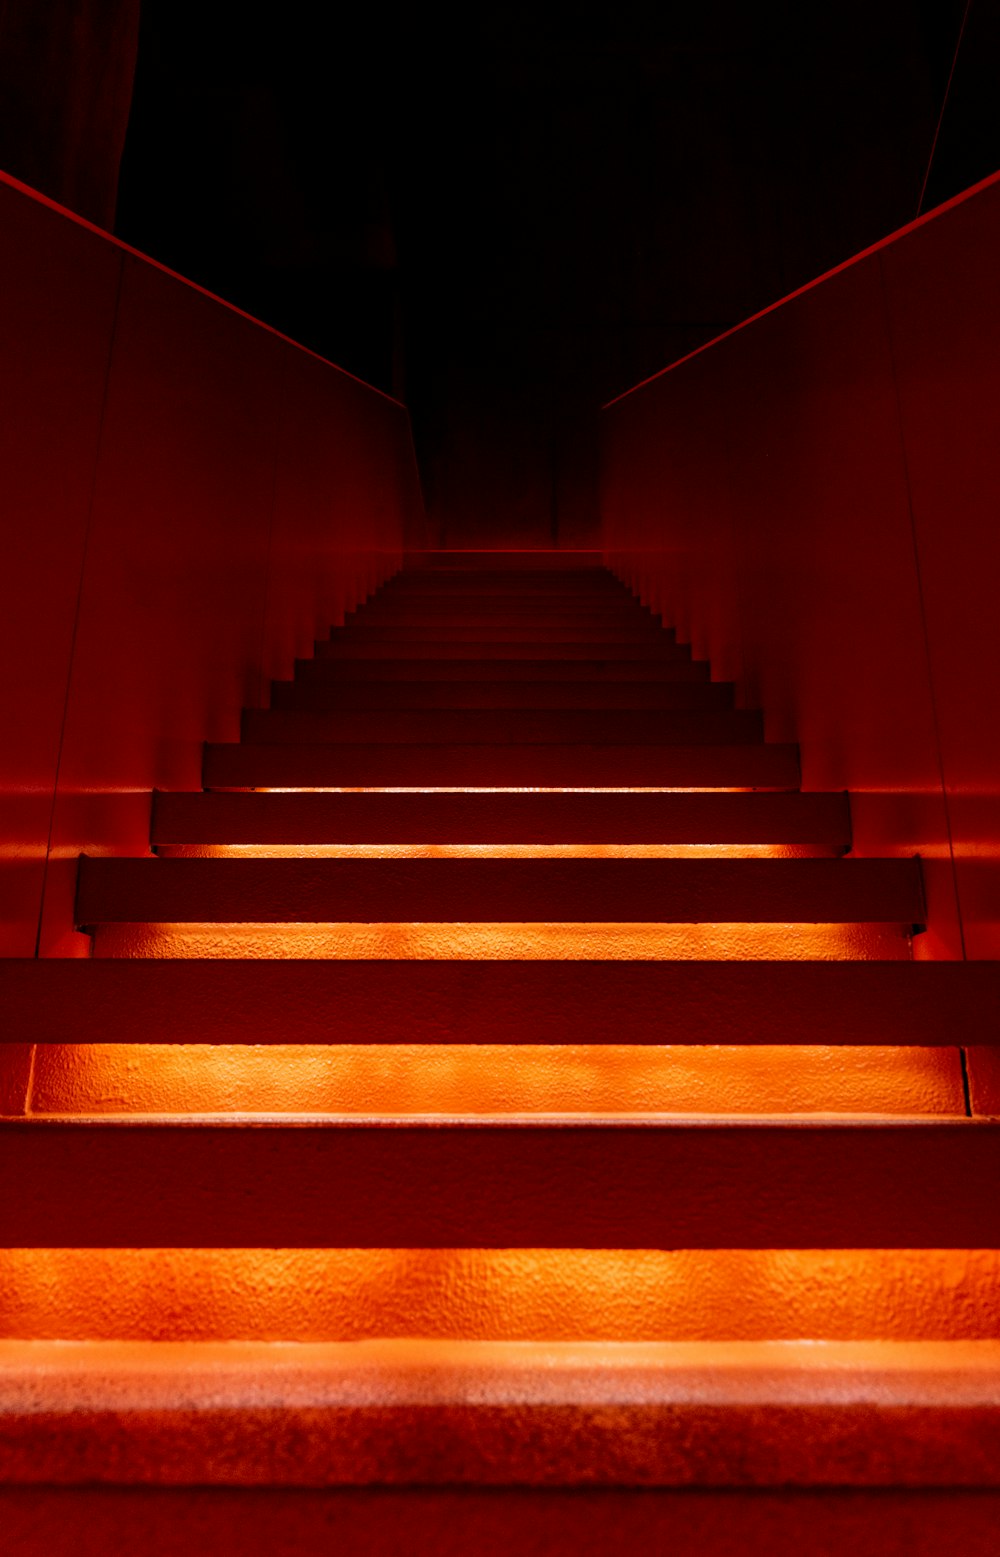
(147, 259)
(855, 259)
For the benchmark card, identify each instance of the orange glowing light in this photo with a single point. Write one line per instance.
(500, 789)
(468, 1080)
(499, 851)
(505, 1294)
(782, 942)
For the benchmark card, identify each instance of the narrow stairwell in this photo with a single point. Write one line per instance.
(502, 1112)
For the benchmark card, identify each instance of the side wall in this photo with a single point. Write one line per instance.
(187, 500)
(814, 501)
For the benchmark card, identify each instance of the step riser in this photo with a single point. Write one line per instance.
(724, 727)
(822, 820)
(538, 1186)
(314, 696)
(384, 646)
(530, 631)
(575, 767)
(517, 582)
(593, 618)
(357, 673)
(498, 891)
(493, 1521)
(413, 1002)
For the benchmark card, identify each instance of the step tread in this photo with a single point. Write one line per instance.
(413, 668)
(311, 693)
(610, 817)
(511, 1182)
(386, 647)
(414, 1002)
(649, 636)
(747, 766)
(502, 727)
(459, 1413)
(525, 890)
(503, 615)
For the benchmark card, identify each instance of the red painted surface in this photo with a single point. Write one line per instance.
(468, 1182)
(436, 1001)
(811, 500)
(190, 499)
(55, 357)
(944, 325)
(478, 891)
(263, 1522)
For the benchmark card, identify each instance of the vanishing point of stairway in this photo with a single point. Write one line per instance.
(503, 1092)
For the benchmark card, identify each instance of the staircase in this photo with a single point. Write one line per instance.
(502, 1116)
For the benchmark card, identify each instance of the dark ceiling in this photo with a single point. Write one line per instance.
(509, 214)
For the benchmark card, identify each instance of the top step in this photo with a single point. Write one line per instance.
(387, 646)
(562, 563)
(534, 628)
(413, 666)
(503, 615)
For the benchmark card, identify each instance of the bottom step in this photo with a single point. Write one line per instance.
(879, 1449)
(542, 1414)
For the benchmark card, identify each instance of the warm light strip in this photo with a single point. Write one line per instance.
(519, 1294)
(528, 851)
(509, 789)
(567, 941)
(462, 1079)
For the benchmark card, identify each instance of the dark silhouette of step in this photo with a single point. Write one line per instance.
(609, 817)
(316, 695)
(504, 727)
(594, 671)
(675, 891)
(136, 1001)
(744, 766)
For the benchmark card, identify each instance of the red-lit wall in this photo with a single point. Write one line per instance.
(814, 500)
(187, 500)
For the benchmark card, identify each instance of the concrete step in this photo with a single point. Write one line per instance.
(514, 572)
(657, 671)
(383, 646)
(503, 1183)
(613, 817)
(317, 695)
(91, 1001)
(536, 628)
(474, 1414)
(503, 727)
(592, 891)
(495, 610)
(435, 766)
(576, 597)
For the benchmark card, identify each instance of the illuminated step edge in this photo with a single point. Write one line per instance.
(452, 1413)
